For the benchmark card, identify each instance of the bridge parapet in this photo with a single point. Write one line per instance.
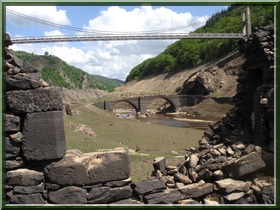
(140, 104)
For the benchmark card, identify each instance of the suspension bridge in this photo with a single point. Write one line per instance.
(97, 35)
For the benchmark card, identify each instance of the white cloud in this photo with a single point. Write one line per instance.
(53, 33)
(115, 59)
(45, 13)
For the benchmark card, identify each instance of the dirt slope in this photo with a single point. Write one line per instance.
(221, 73)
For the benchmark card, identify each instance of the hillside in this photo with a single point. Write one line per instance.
(191, 53)
(57, 72)
(220, 74)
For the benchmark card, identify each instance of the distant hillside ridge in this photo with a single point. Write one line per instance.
(191, 53)
(57, 72)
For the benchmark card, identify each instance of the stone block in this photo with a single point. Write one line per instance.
(35, 100)
(159, 164)
(24, 177)
(247, 165)
(148, 186)
(35, 198)
(12, 148)
(77, 168)
(104, 195)
(43, 136)
(29, 189)
(196, 190)
(69, 195)
(229, 185)
(12, 123)
(22, 81)
(166, 197)
(14, 164)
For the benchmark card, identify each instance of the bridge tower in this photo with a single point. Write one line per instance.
(246, 21)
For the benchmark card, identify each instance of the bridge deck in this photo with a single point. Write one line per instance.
(107, 37)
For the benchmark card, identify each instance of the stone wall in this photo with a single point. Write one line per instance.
(233, 163)
(38, 169)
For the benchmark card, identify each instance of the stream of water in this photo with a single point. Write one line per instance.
(171, 119)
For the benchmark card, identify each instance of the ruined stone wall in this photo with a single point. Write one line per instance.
(38, 169)
(231, 164)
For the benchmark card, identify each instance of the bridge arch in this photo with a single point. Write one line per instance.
(169, 100)
(127, 101)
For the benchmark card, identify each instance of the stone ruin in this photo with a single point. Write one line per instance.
(233, 163)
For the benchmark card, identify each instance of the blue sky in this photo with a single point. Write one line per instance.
(113, 59)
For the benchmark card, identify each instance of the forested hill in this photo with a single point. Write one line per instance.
(189, 53)
(57, 72)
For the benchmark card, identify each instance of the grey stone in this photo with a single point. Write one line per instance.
(234, 196)
(247, 165)
(203, 152)
(229, 150)
(193, 160)
(203, 143)
(17, 62)
(246, 199)
(17, 137)
(35, 100)
(35, 198)
(104, 195)
(204, 174)
(214, 152)
(69, 195)
(43, 136)
(24, 177)
(238, 145)
(182, 178)
(8, 40)
(159, 164)
(218, 175)
(229, 185)
(250, 148)
(148, 186)
(209, 134)
(127, 201)
(77, 168)
(192, 174)
(13, 164)
(22, 81)
(12, 123)
(215, 126)
(50, 186)
(188, 201)
(29, 189)
(168, 196)
(196, 190)
(213, 199)
(119, 183)
(26, 67)
(12, 149)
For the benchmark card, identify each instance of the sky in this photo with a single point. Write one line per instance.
(112, 59)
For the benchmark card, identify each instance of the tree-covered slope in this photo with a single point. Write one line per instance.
(189, 53)
(58, 73)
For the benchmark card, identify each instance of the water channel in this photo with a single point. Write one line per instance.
(170, 119)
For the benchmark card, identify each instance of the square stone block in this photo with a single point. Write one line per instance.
(44, 136)
(35, 100)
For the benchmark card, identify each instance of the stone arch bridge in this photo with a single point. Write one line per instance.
(140, 104)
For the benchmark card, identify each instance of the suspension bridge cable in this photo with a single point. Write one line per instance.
(99, 31)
